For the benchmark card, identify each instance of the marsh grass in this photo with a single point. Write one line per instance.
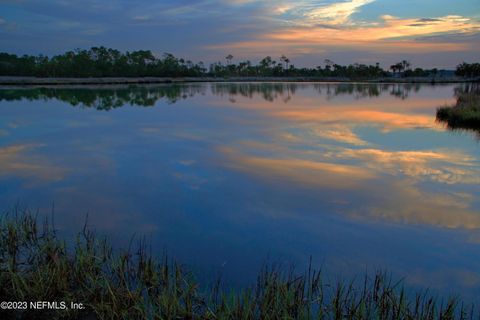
(132, 284)
(464, 115)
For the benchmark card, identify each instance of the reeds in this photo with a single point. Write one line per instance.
(464, 115)
(132, 284)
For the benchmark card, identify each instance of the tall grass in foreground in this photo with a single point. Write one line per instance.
(38, 266)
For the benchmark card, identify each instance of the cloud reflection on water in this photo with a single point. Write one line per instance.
(21, 160)
(310, 138)
(341, 170)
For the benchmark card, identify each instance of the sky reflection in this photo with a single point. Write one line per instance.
(224, 176)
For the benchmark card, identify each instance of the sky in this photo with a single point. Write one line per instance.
(428, 33)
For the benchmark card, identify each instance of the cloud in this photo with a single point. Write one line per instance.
(443, 277)
(162, 13)
(336, 13)
(7, 25)
(17, 162)
(313, 143)
(240, 2)
(339, 133)
(391, 29)
(428, 20)
(346, 31)
(305, 172)
(440, 166)
(403, 202)
(386, 120)
(390, 35)
(398, 200)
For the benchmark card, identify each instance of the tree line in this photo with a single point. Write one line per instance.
(99, 62)
(468, 70)
(107, 62)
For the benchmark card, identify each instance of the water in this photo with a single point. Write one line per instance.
(227, 177)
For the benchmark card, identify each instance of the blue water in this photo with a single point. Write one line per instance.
(227, 177)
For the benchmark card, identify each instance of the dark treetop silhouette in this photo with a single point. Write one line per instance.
(107, 62)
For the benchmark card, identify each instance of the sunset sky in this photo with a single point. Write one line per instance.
(429, 33)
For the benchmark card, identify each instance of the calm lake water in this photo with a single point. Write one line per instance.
(227, 177)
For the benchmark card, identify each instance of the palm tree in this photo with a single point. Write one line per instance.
(286, 60)
(400, 66)
(405, 64)
(393, 67)
(229, 59)
(328, 64)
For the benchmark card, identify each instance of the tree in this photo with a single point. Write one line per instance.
(468, 69)
(107, 62)
(399, 67)
(265, 64)
(285, 60)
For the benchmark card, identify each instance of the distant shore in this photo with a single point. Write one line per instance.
(28, 81)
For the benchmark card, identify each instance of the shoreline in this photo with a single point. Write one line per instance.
(34, 81)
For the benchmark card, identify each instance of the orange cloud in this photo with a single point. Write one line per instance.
(386, 120)
(398, 200)
(390, 35)
(14, 161)
(404, 202)
(339, 133)
(441, 166)
(305, 172)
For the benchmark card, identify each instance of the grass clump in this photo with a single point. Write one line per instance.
(35, 265)
(464, 115)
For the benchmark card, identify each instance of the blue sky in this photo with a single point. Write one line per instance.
(429, 33)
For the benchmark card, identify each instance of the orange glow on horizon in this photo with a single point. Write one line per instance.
(391, 35)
